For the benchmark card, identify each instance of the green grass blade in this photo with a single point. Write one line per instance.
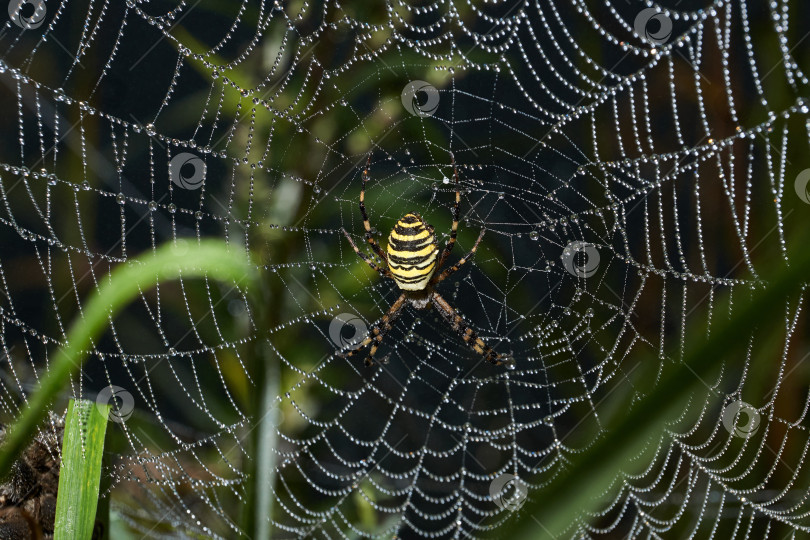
(575, 490)
(80, 473)
(258, 501)
(260, 471)
(209, 258)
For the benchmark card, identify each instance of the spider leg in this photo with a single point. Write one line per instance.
(469, 336)
(454, 229)
(375, 335)
(450, 271)
(383, 271)
(369, 236)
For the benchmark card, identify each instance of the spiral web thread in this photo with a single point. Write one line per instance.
(663, 144)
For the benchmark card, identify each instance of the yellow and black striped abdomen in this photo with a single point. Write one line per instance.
(412, 253)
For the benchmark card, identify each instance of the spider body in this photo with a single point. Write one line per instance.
(412, 261)
(412, 253)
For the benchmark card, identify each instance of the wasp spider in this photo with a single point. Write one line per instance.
(413, 262)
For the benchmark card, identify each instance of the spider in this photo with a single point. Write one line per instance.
(411, 261)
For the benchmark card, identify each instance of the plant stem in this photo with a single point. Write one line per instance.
(258, 503)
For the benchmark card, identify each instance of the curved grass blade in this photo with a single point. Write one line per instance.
(208, 258)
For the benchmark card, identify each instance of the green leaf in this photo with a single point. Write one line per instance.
(80, 473)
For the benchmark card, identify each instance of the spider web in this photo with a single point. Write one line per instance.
(628, 166)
